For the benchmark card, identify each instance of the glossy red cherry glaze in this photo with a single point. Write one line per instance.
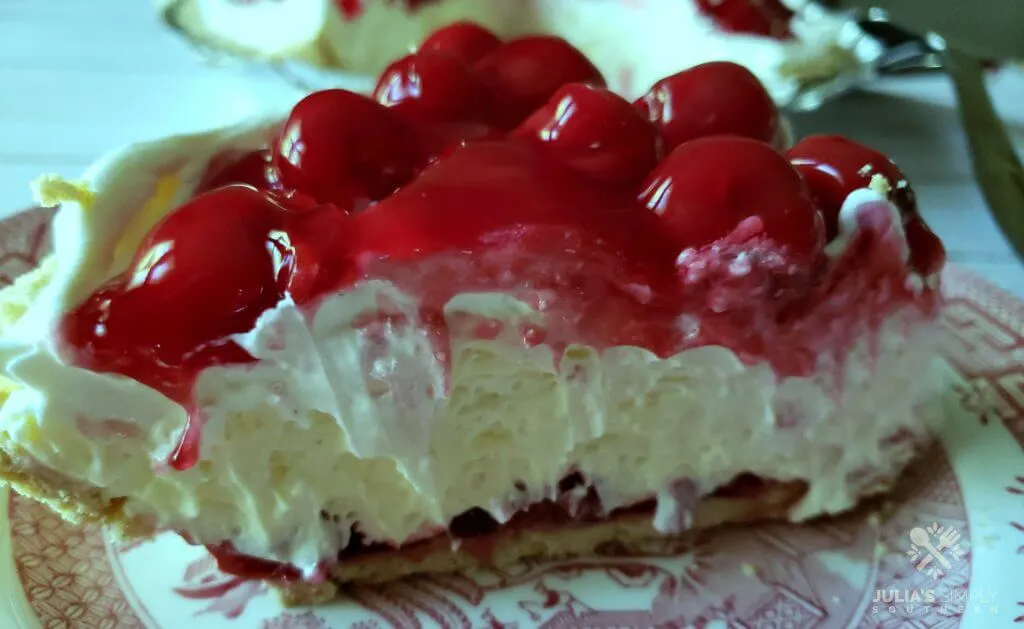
(707, 187)
(756, 17)
(596, 132)
(835, 166)
(716, 98)
(525, 72)
(720, 244)
(927, 253)
(464, 40)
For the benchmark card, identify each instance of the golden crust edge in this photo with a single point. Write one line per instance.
(78, 507)
(75, 505)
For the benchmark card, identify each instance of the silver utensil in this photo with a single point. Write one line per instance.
(957, 36)
(994, 160)
(985, 29)
(899, 53)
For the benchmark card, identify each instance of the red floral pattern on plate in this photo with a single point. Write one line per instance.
(24, 239)
(67, 576)
(824, 574)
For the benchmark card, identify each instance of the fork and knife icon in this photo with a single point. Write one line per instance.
(946, 539)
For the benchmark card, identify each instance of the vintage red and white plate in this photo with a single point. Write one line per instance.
(947, 550)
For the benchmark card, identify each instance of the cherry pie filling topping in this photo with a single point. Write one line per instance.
(512, 164)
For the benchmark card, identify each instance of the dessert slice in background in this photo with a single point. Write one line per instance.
(487, 314)
(786, 43)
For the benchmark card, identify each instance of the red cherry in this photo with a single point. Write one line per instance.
(596, 132)
(927, 253)
(346, 149)
(253, 168)
(716, 98)
(706, 187)
(204, 272)
(211, 253)
(463, 40)
(431, 87)
(834, 166)
(526, 72)
(758, 17)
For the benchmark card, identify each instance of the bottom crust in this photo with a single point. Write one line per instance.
(518, 540)
(515, 542)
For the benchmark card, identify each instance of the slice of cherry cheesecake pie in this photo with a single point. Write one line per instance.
(786, 43)
(485, 315)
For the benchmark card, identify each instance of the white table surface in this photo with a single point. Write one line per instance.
(78, 78)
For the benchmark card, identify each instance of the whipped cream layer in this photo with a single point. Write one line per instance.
(634, 44)
(340, 428)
